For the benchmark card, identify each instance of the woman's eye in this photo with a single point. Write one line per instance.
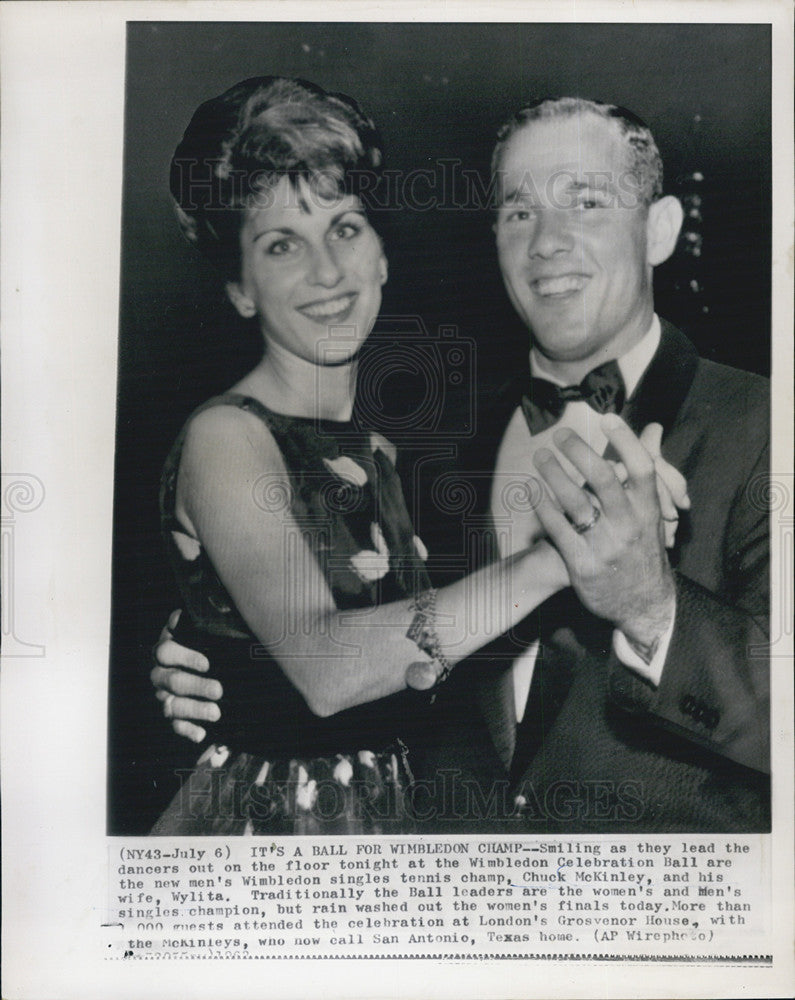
(518, 215)
(279, 248)
(345, 231)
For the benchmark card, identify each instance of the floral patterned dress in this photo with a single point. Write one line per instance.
(273, 766)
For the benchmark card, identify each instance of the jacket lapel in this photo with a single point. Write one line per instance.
(663, 388)
(496, 700)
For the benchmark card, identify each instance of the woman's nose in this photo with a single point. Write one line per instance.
(552, 233)
(324, 269)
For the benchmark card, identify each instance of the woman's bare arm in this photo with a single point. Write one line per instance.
(336, 659)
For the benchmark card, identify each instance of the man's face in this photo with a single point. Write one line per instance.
(572, 238)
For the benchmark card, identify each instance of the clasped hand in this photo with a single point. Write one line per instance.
(612, 531)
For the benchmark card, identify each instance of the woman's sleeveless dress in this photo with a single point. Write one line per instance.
(274, 767)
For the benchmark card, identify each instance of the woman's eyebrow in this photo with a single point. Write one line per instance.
(346, 211)
(289, 231)
(283, 230)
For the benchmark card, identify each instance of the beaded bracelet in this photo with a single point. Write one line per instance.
(423, 675)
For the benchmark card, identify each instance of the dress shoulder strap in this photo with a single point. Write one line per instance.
(168, 483)
(242, 402)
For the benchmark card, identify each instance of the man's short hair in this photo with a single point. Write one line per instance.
(645, 162)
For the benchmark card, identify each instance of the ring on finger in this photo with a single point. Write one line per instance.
(168, 706)
(582, 526)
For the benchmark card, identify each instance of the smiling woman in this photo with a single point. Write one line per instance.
(310, 262)
(300, 572)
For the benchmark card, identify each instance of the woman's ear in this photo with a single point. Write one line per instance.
(383, 269)
(662, 229)
(240, 300)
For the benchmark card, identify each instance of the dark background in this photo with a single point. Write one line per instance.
(438, 92)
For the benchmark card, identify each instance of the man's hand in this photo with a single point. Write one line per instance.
(610, 533)
(184, 695)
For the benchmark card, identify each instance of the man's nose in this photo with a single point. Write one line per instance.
(323, 268)
(552, 233)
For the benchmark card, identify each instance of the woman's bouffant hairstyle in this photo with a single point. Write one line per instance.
(239, 145)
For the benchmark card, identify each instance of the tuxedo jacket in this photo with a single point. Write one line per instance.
(600, 749)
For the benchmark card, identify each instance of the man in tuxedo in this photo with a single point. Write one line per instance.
(636, 700)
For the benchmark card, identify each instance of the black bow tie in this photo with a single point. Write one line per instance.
(602, 389)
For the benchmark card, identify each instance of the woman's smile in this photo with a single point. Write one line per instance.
(331, 310)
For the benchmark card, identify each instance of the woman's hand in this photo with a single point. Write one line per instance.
(184, 695)
(671, 484)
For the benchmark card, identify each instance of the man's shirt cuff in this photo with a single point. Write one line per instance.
(651, 671)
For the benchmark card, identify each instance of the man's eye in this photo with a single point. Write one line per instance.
(594, 201)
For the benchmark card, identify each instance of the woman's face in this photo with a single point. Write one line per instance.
(312, 268)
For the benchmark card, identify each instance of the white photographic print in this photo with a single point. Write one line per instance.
(391, 504)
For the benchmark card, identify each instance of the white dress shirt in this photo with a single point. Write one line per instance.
(517, 524)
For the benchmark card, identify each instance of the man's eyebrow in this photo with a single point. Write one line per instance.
(599, 180)
(519, 194)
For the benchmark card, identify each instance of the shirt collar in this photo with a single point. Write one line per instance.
(633, 364)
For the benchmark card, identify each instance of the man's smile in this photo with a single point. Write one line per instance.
(559, 286)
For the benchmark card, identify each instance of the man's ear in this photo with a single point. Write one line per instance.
(240, 300)
(662, 229)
